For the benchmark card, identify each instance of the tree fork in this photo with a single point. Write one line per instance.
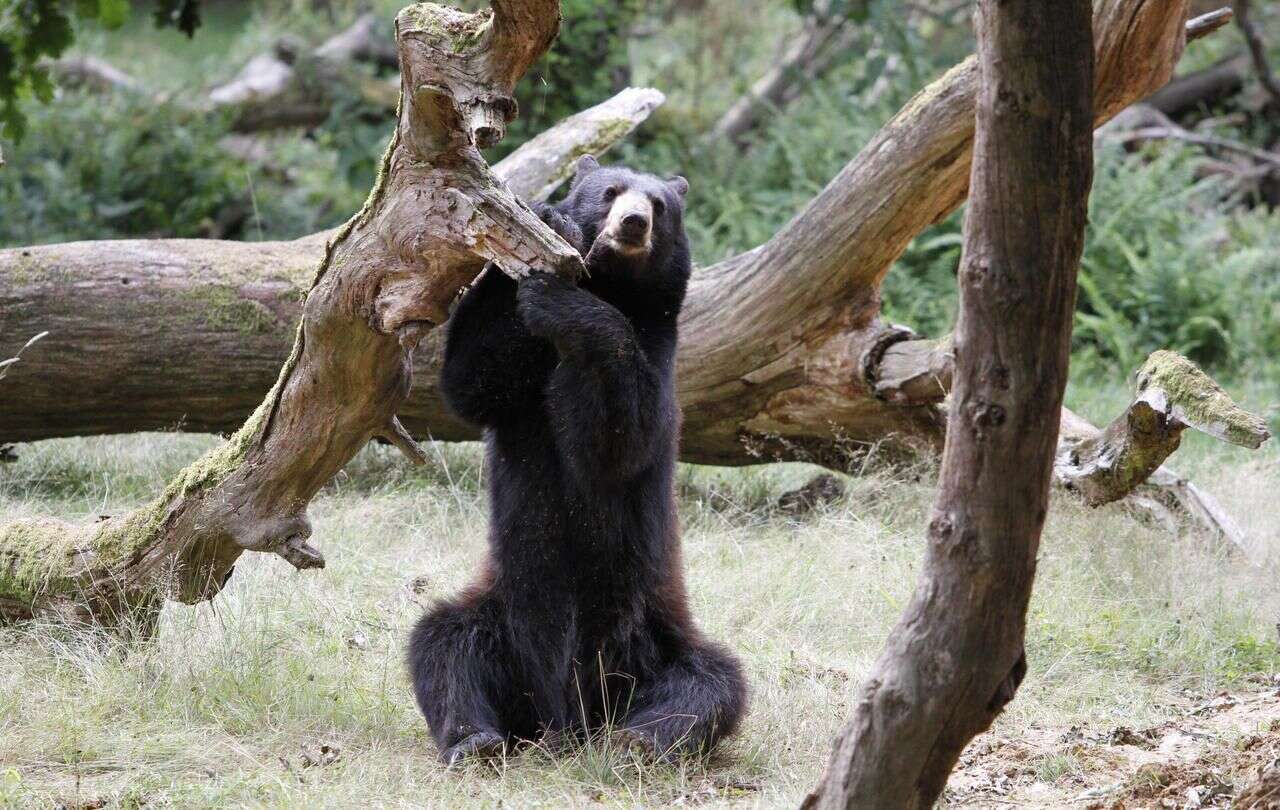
(435, 216)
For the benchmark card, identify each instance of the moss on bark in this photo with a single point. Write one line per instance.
(1199, 401)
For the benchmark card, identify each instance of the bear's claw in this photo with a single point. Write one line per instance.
(481, 745)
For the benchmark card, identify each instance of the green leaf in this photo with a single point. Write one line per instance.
(113, 13)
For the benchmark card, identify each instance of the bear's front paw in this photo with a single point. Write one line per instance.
(540, 299)
(567, 229)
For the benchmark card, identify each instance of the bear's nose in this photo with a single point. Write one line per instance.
(635, 224)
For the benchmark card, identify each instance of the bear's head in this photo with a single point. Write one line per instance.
(628, 218)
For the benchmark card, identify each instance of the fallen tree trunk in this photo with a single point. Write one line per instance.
(190, 333)
(1203, 88)
(782, 346)
(435, 216)
(956, 657)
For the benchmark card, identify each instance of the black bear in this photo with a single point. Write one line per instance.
(579, 617)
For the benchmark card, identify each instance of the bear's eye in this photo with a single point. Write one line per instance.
(610, 193)
(658, 207)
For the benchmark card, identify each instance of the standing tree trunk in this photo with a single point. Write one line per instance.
(956, 657)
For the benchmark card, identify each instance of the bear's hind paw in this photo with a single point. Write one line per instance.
(481, 745)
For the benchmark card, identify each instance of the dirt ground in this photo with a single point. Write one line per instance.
(1209, 749)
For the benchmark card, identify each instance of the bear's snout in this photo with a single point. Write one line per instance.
(629, 225)
(634, 227)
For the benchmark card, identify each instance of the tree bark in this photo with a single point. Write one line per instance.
(435, 216)
(781, 346)
(956, 657)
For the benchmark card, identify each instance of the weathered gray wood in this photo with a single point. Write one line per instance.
(435, 216)
(956, 657)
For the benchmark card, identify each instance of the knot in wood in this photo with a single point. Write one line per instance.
(974, 272)
(982, 415)
(999, 375)
(941, 527)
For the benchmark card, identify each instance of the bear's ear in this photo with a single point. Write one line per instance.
(585, 166)
(679, 185)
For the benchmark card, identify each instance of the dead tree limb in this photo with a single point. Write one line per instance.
(956, 657)
(781, 346)
(94, 74)
(290, 86)
(1202, 88)
(1106, 465)
(1257, 49)
(1127, 457)
(435, 216)
(1173, 395)
(824, 36)
(1155, 126)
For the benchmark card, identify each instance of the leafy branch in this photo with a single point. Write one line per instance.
(32, 32)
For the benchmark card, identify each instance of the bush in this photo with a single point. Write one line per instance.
(114, 166)
(111, 166)
(1169, 262)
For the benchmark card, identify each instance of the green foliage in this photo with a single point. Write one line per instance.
(1169, 265)
(735, 201)
(99, 167)
(1169, 262)
(110, 166)
(35, 30)
(588, 63)
(853, 9)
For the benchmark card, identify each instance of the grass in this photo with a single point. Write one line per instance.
(231, 699)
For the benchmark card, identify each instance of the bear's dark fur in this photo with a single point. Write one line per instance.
(579, 618)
